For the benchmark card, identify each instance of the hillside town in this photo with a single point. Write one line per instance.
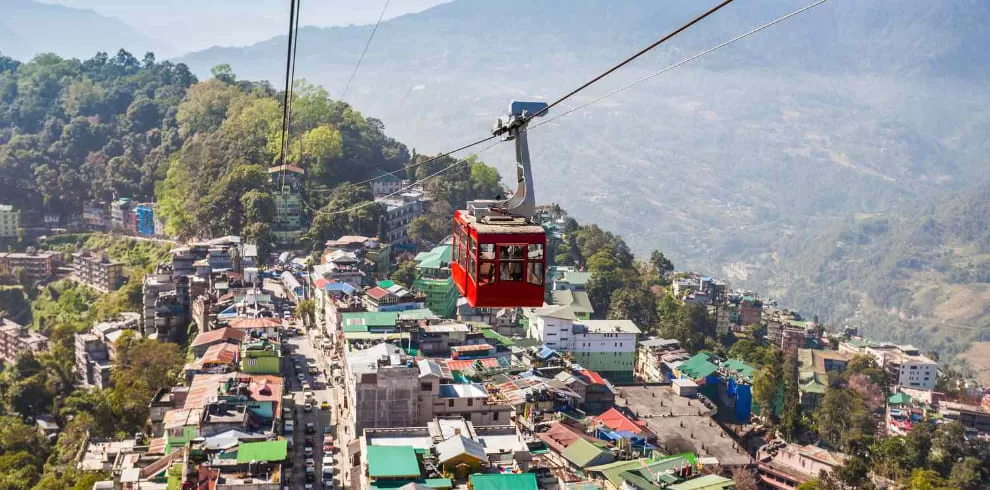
(328, 370)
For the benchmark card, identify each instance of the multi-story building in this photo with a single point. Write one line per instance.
(905, 366)
(122, 216)
(433, 279)
(288, 223)
(399, 212)
(973, 417)
(261, 357)
(145, 217)
(605, 346)
(97, 271)
(93, 362)
(385, 184)
(16, 339)
(785, 466)
(652, 354)
(10, 221)
(392, 298)
(166, 305)
(94, 216)
(37, 265)
(750, 311)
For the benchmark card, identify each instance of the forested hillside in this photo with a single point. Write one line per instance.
(921, 275)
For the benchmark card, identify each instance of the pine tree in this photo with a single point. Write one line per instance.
(790, 420)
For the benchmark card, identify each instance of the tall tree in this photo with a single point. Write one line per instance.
(767, 385)
(790, 418)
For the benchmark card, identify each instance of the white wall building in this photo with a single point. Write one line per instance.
(605, 346)
(905, 366)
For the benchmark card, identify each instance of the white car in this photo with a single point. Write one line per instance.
(327, 460)
(308, 407)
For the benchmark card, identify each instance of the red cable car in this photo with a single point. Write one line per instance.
(499, 253)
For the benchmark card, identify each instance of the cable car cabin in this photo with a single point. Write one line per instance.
(498, 261)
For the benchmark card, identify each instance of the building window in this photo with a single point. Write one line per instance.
(450, 403)
(470, 402)
(496, 415)
(426, 386)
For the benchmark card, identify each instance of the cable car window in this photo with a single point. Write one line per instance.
(486, 272)
(510, 271)
(473, 246)
(487, 251)
(510, 252)
(472, 269)
(534, 274)
(535, 251)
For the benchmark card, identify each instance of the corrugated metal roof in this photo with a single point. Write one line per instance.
(392, 462)
(503, 481)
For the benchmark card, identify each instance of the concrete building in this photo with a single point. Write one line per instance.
(166, 305)
(905, 366)
(94, 216)
(38, 265)
(97, 349)
(122, 216)
(97, 271)
(974, 417)
(605, 346)
(682, 424)
(814, 369)
(10, 221)
(652, 354)
(785, 466)
(288, 223)
(383, 389)
(16, 339)
(393, 297)
(399, 212)
(576, 299)
(145, 219)
(433, 279)
(385, 184)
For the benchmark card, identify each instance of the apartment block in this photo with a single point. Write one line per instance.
(97, 271)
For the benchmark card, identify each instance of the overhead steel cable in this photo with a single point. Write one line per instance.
(633, 57)
(288, 75)
(678, 64)
(365, 51)
(414, 165)
(582, 87)
(411, 185)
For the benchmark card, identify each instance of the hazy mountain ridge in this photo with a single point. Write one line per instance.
(30, 28)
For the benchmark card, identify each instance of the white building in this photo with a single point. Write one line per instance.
(605, 346)
(905, 366)
(10, 221)
(399, 212)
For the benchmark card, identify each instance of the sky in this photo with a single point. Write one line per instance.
(191, 25)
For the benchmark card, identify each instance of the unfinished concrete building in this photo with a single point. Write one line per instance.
(383, 389)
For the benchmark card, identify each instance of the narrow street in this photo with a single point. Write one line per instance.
(304, 355)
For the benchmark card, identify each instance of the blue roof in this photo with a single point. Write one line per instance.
(545, 352)
(340, 286)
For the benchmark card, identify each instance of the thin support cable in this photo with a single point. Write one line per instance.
(365, 51)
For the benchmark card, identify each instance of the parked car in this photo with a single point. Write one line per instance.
(308, 407)
(308, 451)
(310, 474)
(324, 405)
(310, 462)
(310, 428)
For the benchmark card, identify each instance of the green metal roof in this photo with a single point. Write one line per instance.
(493, 335)
(503, 481)
(262, 451)
(386, 283)
(706, 482)
(899, 399)
(697, 367)
(355, 328)
(370, 319)
(613, 471)
(434, 259)
(392, 462)
(583, 453)
(744, 370)
(813, 386)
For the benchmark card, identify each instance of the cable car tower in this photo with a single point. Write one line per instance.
(499, 254)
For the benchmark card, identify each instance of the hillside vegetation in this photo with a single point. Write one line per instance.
(920, 276)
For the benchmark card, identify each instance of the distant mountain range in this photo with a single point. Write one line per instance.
(29, 28)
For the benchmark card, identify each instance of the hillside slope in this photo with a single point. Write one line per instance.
(851, 107)
(922, 276)
(28, 28)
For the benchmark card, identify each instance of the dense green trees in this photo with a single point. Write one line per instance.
(74, 130)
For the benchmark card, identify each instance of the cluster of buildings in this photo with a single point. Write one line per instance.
(96, 350)
(16, 339)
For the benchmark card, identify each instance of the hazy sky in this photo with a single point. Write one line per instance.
(190, 25)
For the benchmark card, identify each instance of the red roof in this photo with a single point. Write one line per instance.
(560, 436)
(463, 364)
(219, 335)
(616, 420)
(320, 283)
(262, 387)
(594, 377)
(376, 292)
(253, 323)
(220, 354)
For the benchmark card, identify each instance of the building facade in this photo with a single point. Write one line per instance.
(37, 265)
(906, 366)
(605, 346)
(10, 221)
(399, 212)
(97, 271)
(433, 279)
(16, 339)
